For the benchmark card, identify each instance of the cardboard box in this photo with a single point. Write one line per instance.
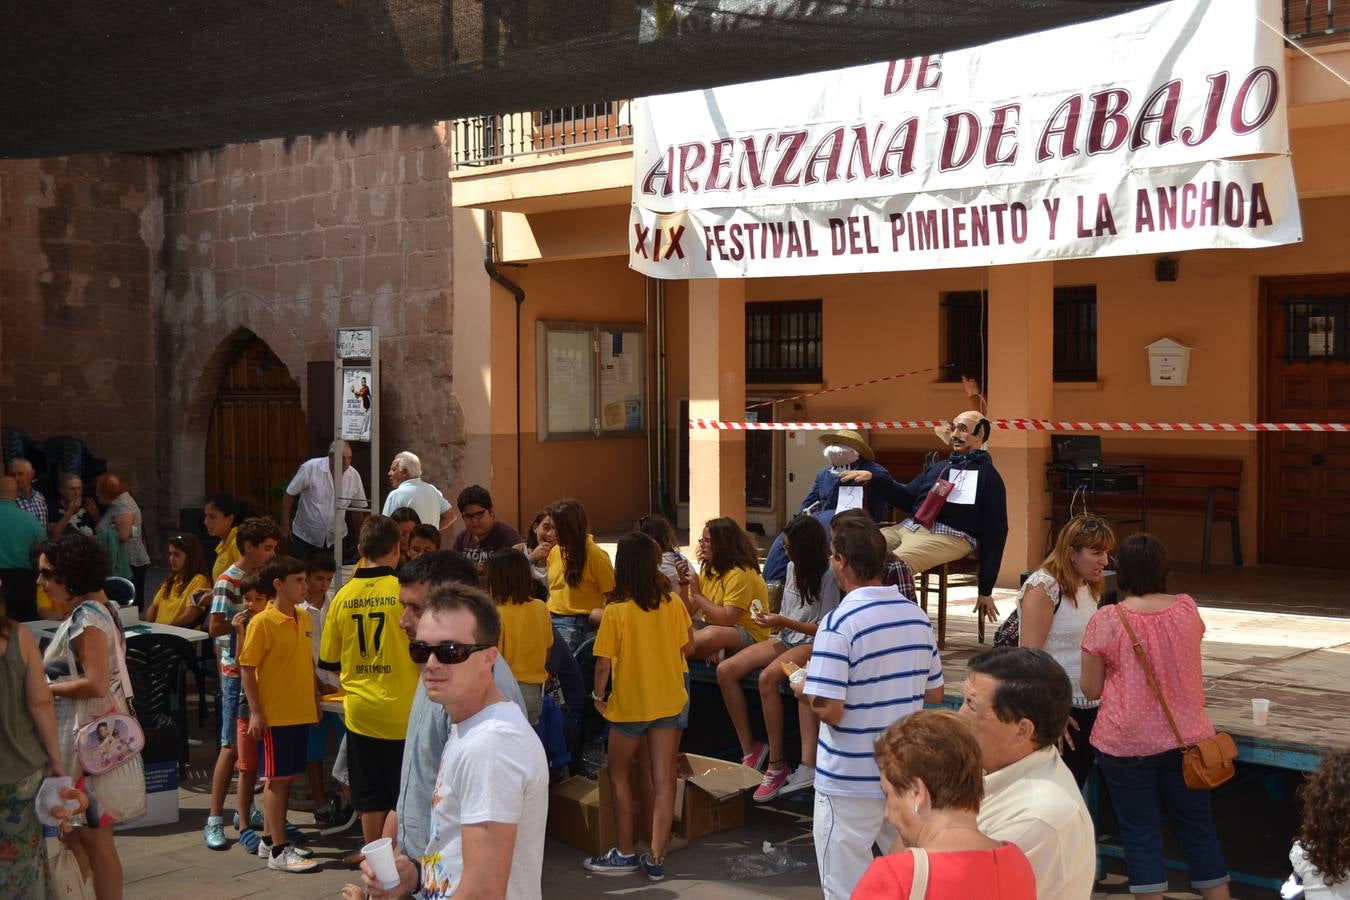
(709, 797)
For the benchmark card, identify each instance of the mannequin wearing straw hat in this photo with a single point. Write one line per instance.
(846, 451)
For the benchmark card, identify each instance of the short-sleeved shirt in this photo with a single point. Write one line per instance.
(19, 533)
(500, 537)
(363, 641)
(70, 710)
(597, 580)
(526, 637)
(227, 553)
(313, 485)
(125, 505)
(424, 499)
(1130, 721)
(493, 769)
(1065, 638)
(795, 606)
(278, 647)
(739, 588)
(171, 603)
(35, 505)
(645, 646)
(227, 601)
(954, 875)
(331, 681)
(876, 652)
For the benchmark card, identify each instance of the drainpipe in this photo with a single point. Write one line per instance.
(490, 266)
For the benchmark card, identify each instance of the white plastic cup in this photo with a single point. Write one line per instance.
(1260, 711)
(380, 855)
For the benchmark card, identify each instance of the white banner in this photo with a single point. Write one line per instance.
(1154, 131)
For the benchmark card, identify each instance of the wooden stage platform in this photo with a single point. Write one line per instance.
(1300, 663)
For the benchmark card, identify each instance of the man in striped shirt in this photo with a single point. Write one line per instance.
(874, 661)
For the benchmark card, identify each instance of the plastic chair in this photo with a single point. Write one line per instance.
(156, 664)
(119, 590)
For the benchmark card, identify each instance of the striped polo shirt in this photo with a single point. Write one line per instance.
(876, 652)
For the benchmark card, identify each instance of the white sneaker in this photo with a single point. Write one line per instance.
(802, 778)
(290, 861)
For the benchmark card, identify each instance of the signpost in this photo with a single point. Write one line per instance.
(356, 414)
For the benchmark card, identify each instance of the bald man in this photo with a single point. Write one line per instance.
(19, 532)
(974, 516)
(121, 512)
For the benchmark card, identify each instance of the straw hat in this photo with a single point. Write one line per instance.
(847, 437)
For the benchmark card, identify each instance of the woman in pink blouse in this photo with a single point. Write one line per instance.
(1136, 749)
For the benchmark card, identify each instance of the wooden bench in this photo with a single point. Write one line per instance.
(1182, 485)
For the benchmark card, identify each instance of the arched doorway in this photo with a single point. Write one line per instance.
(258, 433)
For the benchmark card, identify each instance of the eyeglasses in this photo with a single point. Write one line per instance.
(46, 573)
(447, 653)
(474, 517)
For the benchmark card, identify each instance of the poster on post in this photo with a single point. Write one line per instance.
(356, 404)
(1158, 130)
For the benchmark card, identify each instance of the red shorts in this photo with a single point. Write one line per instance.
(283, 750)
(248, 748)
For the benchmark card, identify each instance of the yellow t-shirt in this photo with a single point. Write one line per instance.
(737, 588)
(171, 605)
(45, 601)
(526, 638)
(280, 648)
(362, 640)
(647, 681)
(227, 553)
(597, 580)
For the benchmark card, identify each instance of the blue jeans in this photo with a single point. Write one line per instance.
(775, 564)
(1140, 788)
(573, 630)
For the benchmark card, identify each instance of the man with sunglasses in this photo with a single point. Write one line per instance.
(486, 836)
(428, 724)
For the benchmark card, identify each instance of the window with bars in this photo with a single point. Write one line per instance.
(1076, 333)
(965, 339)
(1317, 329)
(783, 342)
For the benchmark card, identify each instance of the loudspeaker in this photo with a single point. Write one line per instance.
(1165, 269)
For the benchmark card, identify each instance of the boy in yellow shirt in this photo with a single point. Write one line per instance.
(283, 696)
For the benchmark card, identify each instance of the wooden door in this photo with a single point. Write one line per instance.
(258, 433)
(1305, 505)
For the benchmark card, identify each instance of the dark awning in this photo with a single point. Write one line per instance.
(142, 75)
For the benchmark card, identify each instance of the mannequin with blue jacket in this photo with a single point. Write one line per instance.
(973, 518)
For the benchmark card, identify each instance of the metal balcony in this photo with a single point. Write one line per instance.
(489, 140)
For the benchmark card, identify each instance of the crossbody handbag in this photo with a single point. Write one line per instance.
(1204, 765)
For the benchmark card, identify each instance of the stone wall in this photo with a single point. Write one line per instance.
(76, 295)
(288, 239)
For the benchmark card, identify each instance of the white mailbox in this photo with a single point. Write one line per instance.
(1169, 363)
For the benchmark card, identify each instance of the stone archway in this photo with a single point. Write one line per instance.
(257, 434)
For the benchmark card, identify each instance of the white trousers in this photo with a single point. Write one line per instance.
(844, 830)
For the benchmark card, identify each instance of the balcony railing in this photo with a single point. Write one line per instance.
(1312, 21)
(488, 140)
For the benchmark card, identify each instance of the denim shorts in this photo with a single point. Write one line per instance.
(1141, 789)
(637, 729)
(317, 747)
(229, 708)
(574, 630)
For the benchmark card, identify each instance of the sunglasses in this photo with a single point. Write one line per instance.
(447, 654)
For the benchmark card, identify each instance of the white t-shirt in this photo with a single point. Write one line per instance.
(1065, 640)
(493, 769)
(794, 607)
(313, 485)
(1306, 882)
(332, 681)
(425, 499)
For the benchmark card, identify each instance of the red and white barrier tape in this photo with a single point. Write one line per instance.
(847, 387)
(1027, 425)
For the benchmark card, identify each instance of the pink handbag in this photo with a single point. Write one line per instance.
(108, 741)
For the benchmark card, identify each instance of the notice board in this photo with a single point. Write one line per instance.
(591, 380)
